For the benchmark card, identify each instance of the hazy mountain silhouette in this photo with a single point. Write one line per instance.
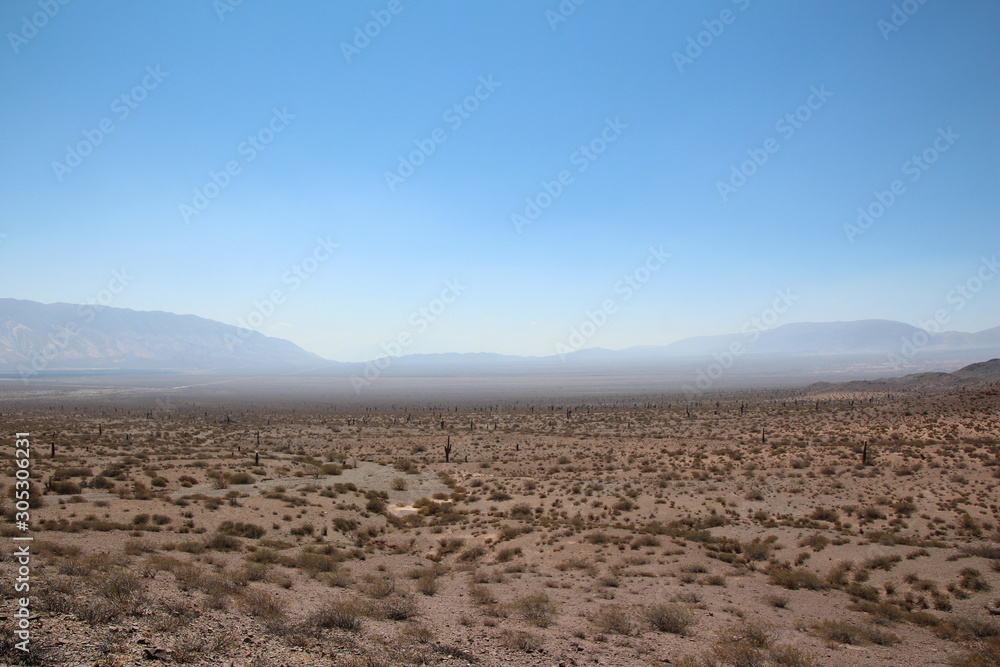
(59, 336)
(980, 373)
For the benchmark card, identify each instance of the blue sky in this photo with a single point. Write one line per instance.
(201, 86)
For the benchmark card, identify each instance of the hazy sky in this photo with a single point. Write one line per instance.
(687, 162)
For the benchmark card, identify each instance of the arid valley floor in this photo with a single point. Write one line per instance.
(738, 528)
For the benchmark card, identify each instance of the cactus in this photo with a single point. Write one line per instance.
(447, 450)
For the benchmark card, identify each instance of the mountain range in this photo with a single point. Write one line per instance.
(48, 337)
(37, 338)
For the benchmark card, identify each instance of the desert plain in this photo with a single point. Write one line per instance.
(229, 524)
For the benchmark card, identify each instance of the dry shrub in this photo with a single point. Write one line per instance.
(714, 580)
(643, 541)
(613, 619)
(338, 578)
(816, 541)
(317, 562)
(378, 587)
(793, 580)
(845, 632)
(972, 579)
(521, 640)
(980, 653)
(417, 634)
(741, 655)
(221, 542)
(757, 550)
(789, 656)
(449, 545)
(191, 647)
(671, 618)
(472, 553)
(395, 607)
(507, 554)
(95, 611)
(241, 529)
(975, 628)
(262, 604)
(427, 583)
(125, 591)
(43, 651)
(825, 514)
(481, 595)
(755, 635)
(339, 614)
(777, 601)
(990, 551)
(536, 609)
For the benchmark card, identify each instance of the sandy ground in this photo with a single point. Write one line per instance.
(743, 528)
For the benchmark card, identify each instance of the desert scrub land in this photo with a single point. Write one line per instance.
(739, 528)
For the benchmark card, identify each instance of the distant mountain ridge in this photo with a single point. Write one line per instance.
(857, 337)
(980, 373)
(36, 337)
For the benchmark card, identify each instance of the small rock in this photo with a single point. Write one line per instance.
(156, 653)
